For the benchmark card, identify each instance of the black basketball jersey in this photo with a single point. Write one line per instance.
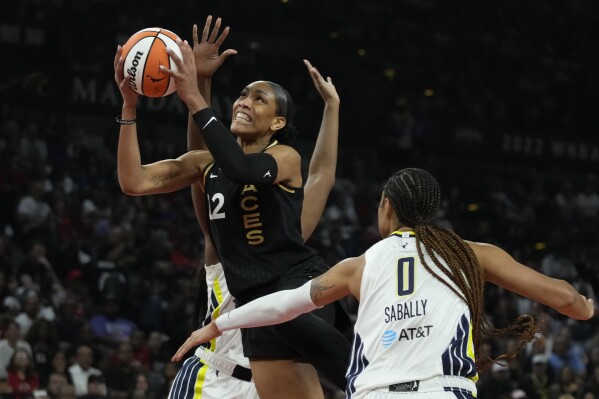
(256, 230)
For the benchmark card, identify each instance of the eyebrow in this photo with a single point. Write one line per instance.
(267, 94)
(263, 92)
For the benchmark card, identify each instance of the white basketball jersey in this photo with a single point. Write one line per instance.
(221, 301)
(410, 326)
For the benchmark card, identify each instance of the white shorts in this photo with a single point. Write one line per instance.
(417, 395)
(198, 380)
(440, 387)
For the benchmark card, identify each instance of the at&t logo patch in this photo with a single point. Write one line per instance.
(388, 338)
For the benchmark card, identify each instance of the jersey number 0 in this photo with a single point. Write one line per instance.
(405, 276)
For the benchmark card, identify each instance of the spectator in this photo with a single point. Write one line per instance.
(44, 342)
(591, 386)
(568, 382)
(22, 377)
(58, 365)
(39, 269)
(34, 214)
(82, 369)
(498, 384)
(108, 326)
(96, 387)
(55, 384)
(122, 371)
(565, 354)
(557, 264)
(71, 319)
(159, 354)
(9, 345)
(536, 383)
(141, 350)
(142, 387)
(32, 311)
(67, 392)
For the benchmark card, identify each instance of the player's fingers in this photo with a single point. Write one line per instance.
(117, 56)
(118, 71)
(179, 352)
(176, 59)
(175, 357)
(329, 80)
(186, 52)
(183, 350)
(215, 30)
(194, 34)
(317, 74)
(206, 28)
(227, 53)
(222, 37)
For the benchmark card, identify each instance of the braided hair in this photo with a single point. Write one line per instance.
(286, 109)
(415, 196)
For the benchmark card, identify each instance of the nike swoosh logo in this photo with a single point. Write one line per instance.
(212, 175)
(209, 121)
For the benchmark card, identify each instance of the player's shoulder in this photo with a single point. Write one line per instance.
(284, 153)
(383, 245)
(278, 148)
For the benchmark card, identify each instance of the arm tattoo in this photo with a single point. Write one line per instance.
(318, 287)
(162, 180)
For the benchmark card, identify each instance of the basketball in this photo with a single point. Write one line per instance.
(144, 53)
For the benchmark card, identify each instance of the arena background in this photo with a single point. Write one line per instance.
(498, 100)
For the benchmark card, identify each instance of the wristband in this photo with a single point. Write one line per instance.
(125, 121)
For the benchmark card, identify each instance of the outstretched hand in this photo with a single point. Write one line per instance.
(196, 338)
(205, 50)
(325, 88)
(130, 97)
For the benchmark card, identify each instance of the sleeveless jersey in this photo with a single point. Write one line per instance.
(410, 326)
(256, 230)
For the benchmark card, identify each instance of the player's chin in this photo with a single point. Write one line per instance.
(240, 129)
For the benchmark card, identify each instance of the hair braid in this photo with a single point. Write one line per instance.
(415, 196)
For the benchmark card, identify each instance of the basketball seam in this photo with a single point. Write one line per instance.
(143, 76)
(168, 59)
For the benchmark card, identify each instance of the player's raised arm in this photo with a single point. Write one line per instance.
(208, 60)
(501, 269)
(321, 173)
(159, 177)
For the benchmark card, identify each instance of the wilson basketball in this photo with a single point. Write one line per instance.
(144, 53)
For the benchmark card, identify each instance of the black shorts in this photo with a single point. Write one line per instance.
(321, 337)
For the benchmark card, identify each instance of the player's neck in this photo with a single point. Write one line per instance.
(400, 228)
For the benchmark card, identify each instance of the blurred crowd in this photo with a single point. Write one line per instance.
(97, 288)
(93, 282)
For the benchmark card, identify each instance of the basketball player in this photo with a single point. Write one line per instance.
(255, 193)
(421, 295)
(219, 370)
